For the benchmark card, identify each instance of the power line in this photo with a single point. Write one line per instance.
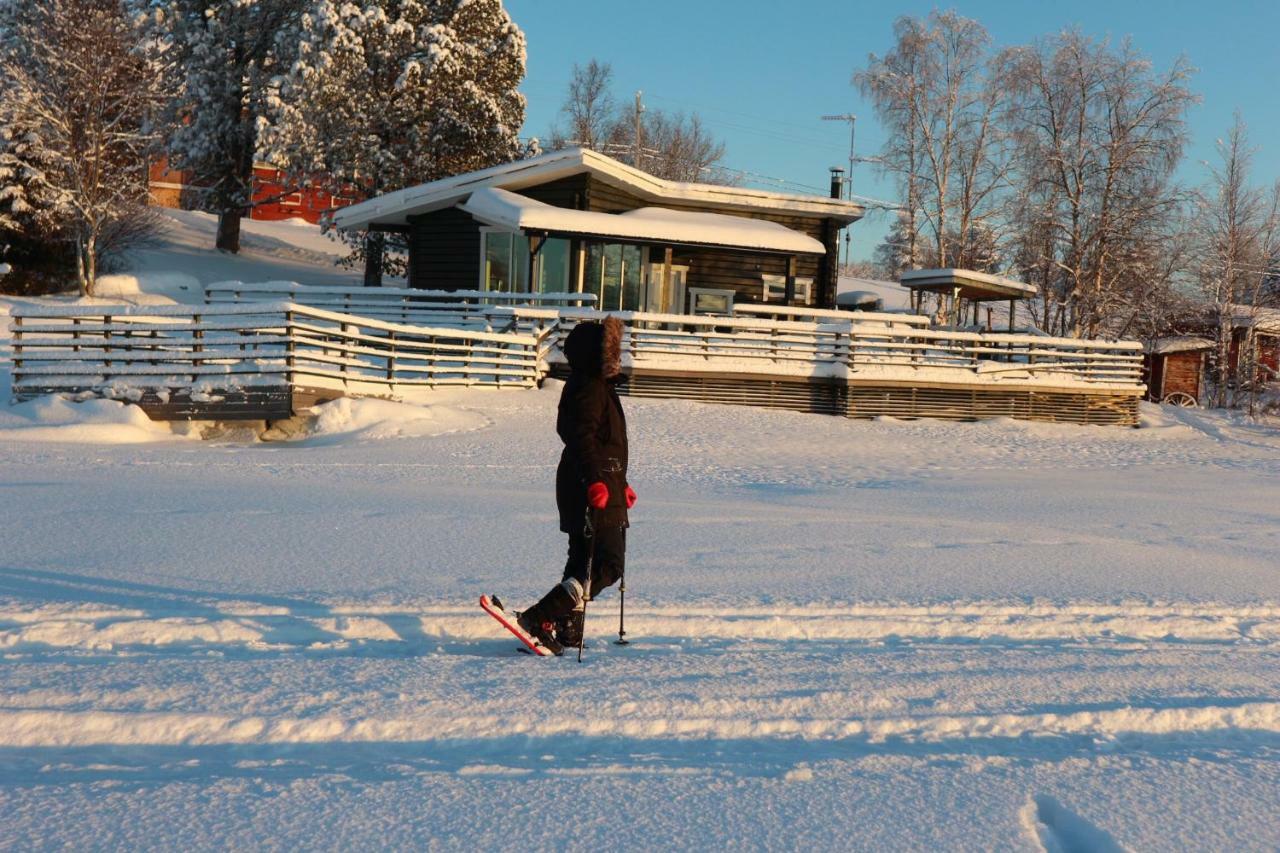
(772, 120)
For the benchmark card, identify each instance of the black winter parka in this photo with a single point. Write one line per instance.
(592, 426)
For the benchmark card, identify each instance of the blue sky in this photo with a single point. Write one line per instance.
(761, 72)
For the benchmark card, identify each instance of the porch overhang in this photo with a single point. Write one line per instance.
(966, 284)
(510, 211)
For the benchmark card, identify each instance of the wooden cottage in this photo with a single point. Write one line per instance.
(1255, 339)
(1258, 328)
(1173, 369)
(578, 221)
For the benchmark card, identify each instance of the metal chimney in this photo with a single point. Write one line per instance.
(837, 182)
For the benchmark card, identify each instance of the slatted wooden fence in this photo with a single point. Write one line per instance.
(223, 360)
(251, 360)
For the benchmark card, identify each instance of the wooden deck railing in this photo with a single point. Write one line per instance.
(471, 309)
(273, 343)
(281, 349)
(872, 348)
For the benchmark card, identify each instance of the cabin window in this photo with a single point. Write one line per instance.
(504, 263)
(709, 300)
(775, 289)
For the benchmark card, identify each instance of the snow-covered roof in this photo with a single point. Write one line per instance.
(395, 208)
(514, 212)
(1179, 343)
(890, 291)
(972, 284)
(1261, 319)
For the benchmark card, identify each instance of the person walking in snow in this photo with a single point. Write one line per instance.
(592, 492)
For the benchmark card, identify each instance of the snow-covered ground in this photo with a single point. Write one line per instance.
(866, 635)
(292, 250)
(855, 635)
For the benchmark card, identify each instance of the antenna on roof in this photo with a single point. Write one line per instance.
(853, 121)
(848, 183)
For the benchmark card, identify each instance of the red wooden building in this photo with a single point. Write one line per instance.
(272, 199)
(1173, 369)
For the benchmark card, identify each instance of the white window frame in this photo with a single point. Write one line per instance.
(695, 292)
(776, 286)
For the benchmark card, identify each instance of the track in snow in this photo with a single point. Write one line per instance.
(252, 627)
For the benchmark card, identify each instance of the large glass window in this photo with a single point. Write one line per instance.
(614, 273)
(506, 264)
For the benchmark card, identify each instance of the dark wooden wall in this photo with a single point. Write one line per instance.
(444, 247)
(445, 244)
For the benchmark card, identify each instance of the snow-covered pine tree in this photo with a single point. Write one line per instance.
(30, 201)
(222, 55)
(74, 144)
(386, 94)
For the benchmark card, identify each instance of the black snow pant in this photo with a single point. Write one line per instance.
(610, 555)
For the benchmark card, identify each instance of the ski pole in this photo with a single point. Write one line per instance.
(590, 529)
(622, 608)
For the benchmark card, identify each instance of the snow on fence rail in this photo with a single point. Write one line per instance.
(827, 315)
(119, 349)
(473, 309)
(864, 346)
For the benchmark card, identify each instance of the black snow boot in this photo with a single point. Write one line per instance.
(569, 628)
(540, 619)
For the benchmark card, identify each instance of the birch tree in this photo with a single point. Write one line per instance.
(1098, 135)
(589, 109)
(1239, 253)
(672, 145)
(935, 94)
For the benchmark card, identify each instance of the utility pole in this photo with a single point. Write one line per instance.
(635, 157)
(848, 184)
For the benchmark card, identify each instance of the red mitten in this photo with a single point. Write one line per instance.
(598, 495)
(631, 497)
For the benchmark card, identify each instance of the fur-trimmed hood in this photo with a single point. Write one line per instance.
(595, 348)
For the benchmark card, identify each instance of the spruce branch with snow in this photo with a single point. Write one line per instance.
(76, 135)
(223, 55)
(385, 94)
